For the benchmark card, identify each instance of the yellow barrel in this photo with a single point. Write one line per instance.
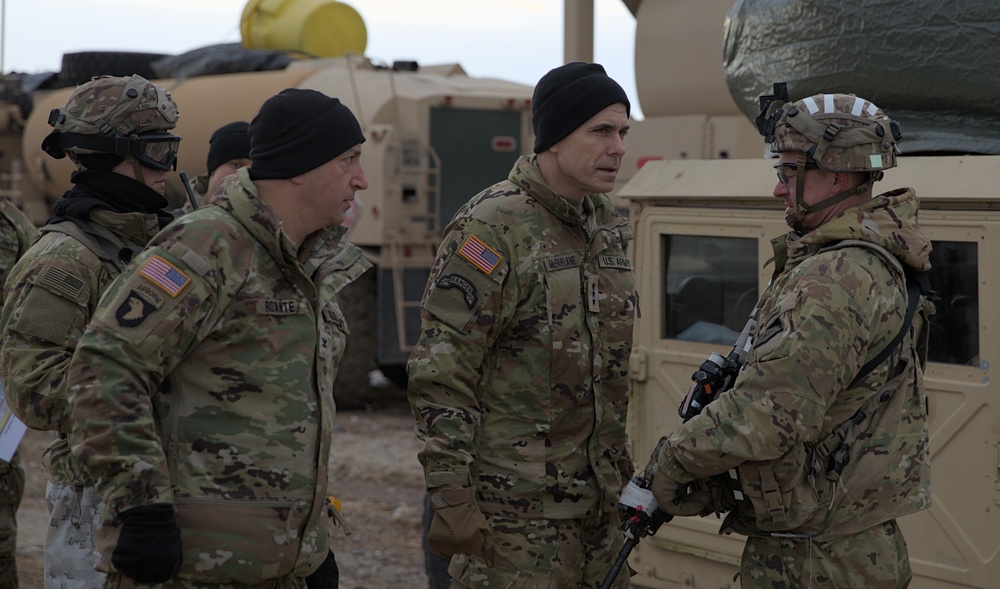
(324, 28)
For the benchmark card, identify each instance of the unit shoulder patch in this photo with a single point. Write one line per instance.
(461, 283)
(133, 310)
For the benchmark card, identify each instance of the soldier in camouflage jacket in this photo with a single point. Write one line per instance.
(16, 234)
(519, 379)
(828, 453)
(114, 208)
(202, 389)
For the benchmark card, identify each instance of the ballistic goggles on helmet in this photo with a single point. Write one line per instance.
(154, 150)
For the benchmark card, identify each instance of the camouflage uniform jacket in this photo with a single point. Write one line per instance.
(205, 380)
(519, 378)
(48, 298)
(829, 310)
(16, 234)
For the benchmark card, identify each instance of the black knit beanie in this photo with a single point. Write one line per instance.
(229, 142)
(567, 97)
(298, 130)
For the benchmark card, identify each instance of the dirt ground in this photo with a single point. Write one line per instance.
(375, 474)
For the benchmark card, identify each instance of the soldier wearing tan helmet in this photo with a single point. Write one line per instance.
(116, 130)
(826, 425)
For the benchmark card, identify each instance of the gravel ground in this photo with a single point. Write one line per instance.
(375, 474)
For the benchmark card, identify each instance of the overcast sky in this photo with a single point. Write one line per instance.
(517, 40)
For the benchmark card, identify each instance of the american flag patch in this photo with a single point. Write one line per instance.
(479, 254)
(165, 275)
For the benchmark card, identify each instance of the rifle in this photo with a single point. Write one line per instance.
(190, 193)
(644, 517)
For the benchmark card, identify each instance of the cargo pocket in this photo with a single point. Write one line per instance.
(244, 542)
(783, 492)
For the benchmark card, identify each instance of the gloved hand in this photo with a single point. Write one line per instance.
(675, 498)
(327, 576)
(149, 546)
(458, 526)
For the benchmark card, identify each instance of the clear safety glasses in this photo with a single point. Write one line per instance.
(784, 178)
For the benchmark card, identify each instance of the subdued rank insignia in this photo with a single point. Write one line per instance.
(479, 254)
(461, 283)
(133, 310)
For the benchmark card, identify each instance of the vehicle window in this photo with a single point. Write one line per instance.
(710, 287)
(954, 337)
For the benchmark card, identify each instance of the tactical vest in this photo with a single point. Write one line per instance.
(796, 492)
(104, 244)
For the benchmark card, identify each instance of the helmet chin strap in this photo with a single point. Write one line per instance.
(795, 220)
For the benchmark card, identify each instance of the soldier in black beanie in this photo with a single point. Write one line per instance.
(228, 151)
(569, 95)
(242, 299)
(518, 381)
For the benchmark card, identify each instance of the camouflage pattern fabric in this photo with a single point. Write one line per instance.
(16, 234)
(11, 493)
(828, 311)
(70, 549)
(864, 143)
(546, 554)
(49, 297)
(48, 300)
(874, 559)
(205, 381)
(129, 105)
(519, 379)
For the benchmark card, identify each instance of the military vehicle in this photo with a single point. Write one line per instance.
(703, 213)
(435, 137)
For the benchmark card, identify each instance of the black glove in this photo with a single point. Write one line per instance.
(327, 576)
(149, 546)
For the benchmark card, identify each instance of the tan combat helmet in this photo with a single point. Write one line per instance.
(128, 117)
(834, 132)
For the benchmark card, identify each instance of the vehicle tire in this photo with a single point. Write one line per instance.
(78, 68)
(353, 387)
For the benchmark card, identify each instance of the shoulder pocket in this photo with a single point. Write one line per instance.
(54, 306)
(459, 292)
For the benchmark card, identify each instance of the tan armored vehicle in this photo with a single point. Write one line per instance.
(703, 228)
(436, 136)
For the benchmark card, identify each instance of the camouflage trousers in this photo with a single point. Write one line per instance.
(11, 492)
(545, 554)
(70, 547)
(875, 559)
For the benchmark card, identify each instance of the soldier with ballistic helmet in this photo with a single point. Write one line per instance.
(117, 132)
(825, 426)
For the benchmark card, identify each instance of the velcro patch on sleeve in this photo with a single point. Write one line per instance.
(480, 255)
(463, 284)
(133, 310)
(61, 282)
(620, 262)
(164, 275)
